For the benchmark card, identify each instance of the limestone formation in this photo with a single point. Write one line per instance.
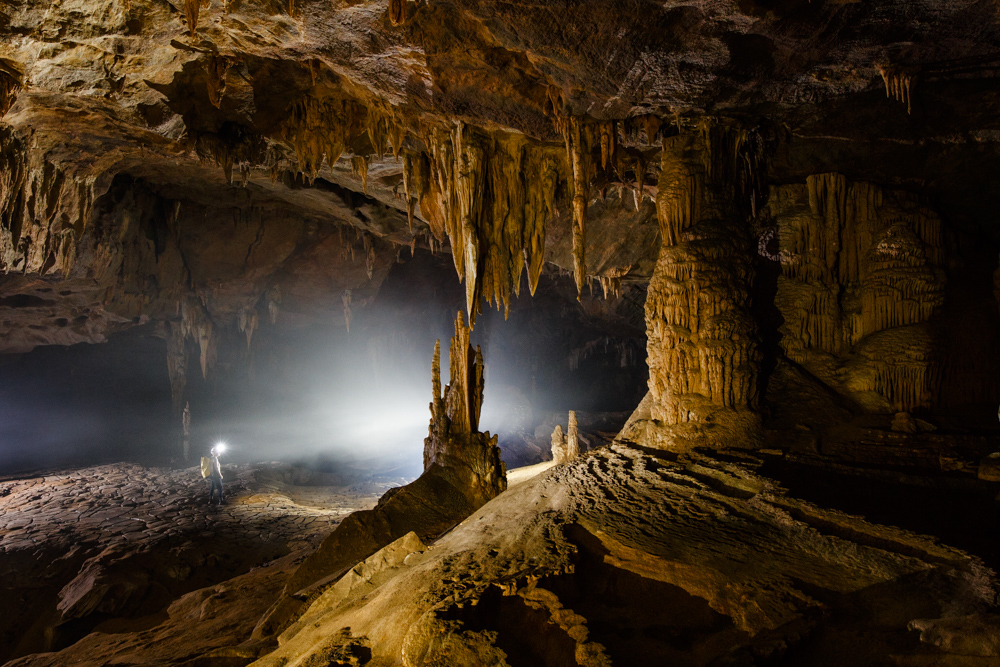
(862, 281)
(565, 448)
(492, 195)
(702, 348)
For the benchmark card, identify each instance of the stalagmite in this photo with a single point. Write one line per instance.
(566, 448)
(558, 445)
(572, 437)
(453, 438)
(436, 371)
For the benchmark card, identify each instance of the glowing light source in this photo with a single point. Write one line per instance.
(220, 447)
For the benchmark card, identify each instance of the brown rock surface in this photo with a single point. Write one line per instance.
(89, 548)
(580, 566)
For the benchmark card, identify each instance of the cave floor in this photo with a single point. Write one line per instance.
(108, 546)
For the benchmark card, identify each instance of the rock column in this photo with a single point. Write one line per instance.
(702, 346)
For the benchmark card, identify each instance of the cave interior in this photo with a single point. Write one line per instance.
(594, 332)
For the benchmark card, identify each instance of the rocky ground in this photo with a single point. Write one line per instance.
(110, 547)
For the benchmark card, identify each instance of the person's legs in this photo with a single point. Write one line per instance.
(213, 485)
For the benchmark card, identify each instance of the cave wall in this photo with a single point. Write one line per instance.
(866, 300)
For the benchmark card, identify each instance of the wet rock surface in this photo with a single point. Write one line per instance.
(79, 548)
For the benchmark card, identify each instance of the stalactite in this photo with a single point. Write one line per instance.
(611, 281)
(359, 167)
(579, 156)
(542, 180)
(273, 297)
(608, 144)
(248, 321)
(397, 12)
(11, 81)
(318, 127)
(415, 182)
(217, 68)
(899, 83)
(348, 315)
(191, 9)
(491, 194)
(196, 324)
(369, 246)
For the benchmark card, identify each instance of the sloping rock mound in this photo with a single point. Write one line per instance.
(626, 557)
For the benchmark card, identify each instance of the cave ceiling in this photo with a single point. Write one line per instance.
(221, 164)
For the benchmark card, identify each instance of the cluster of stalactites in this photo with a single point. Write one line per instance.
(887, 252)
(702, 350)
(565, 448)
(899, 83)
(321, 127)
(492, 195)
(196, 324)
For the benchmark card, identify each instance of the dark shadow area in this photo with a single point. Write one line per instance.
(966, 519)
(85, 404)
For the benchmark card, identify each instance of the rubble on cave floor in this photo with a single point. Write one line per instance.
(97, 548)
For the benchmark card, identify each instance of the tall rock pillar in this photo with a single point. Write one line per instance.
(702, 346)
(454, 445)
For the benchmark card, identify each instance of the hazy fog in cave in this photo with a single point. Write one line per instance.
(354, 402)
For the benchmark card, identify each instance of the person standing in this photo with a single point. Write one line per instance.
(215, 476)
